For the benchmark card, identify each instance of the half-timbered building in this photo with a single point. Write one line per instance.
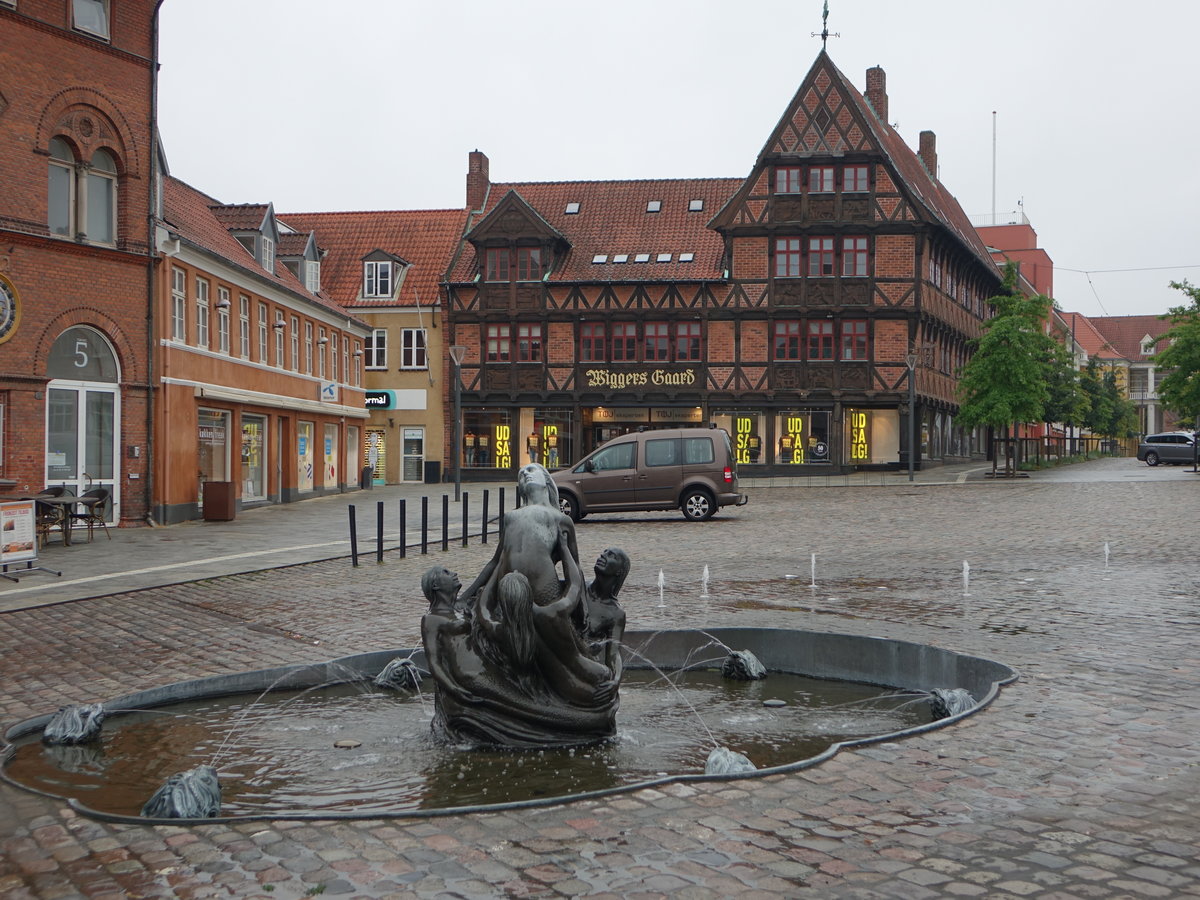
(791, 307)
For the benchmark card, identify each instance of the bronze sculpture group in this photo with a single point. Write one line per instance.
(529, 654)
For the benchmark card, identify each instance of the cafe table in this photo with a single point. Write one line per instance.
(62, 508)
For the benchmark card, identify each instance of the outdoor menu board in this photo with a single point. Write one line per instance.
(18, 538)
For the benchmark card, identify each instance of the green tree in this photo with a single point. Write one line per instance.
(1004, 383)
(1110, 413)
(1068, 402)
(1180, 389)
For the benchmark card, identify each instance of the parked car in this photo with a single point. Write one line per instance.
(690, 469)
(1172, 447)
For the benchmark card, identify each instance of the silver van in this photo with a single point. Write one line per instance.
(690, 469)
(1173, 447)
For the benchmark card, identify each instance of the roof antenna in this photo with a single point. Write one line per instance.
(824, 34)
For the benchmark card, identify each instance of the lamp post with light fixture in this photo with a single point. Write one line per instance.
(457, 352)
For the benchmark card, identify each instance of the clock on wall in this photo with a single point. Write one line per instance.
(10, 309)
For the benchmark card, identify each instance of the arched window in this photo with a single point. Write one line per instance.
(61, 212)
(102, 199)
(85, 205)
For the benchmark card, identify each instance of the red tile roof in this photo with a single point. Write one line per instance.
(292, 244)
(1126, 333)
(1088, 337)
(241, 216)
(426, 239)
(612, 220)
(198, 219)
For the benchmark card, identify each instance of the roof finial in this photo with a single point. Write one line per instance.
(824, 34)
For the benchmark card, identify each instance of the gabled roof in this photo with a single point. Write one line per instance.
(242, 216)
(426, 239)
(829, 117)
(612, 221)
(1089, 337)
(1126, 334)
(195, 218)
(514, 211)
(293, 245)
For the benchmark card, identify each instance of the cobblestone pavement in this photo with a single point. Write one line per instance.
(1080, 781)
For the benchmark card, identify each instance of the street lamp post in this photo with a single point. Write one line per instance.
(910, 360)
(457, 353)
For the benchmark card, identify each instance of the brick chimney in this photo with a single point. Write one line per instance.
(876, 93)
(928, 152)
(478, 180)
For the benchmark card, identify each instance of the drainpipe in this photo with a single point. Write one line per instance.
(151, 256)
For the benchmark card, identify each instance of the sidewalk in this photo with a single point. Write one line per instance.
(288, 534)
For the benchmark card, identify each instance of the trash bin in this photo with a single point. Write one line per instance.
(433, 472)
(220, 504)
(366, 479)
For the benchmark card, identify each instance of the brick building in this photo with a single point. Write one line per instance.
(77, 169)
(790, 307)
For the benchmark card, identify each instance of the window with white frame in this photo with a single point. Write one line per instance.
(101, 225)
(358, 358)
(178, 305)
(345, 358)
(294, 331)
(244, 326)
(412, 349)
(201, 312)
(322, 340)
(262, 333)
(279, 327)
(333, 357)
(90, 16)
(312, 275)
(308, 348)
(376, 352)
(223, 319)
(377, 278)
(268, 254)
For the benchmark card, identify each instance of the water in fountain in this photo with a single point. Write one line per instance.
(813, 566)
(704, 581)
(1106, 556)
(966, 579)
(662, 581)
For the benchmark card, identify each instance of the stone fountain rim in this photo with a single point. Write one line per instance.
(927, 667)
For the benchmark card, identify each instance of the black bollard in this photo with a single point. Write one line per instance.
(465, 506)
(379, 532)
(424, 525)
(500, 528)
(403, 528)
(353, 536)
(484, 530)
(445, 522)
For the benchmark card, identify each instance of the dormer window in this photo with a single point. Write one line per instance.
(529, 263)
(268, 254)
(312, 276)
(377, 278)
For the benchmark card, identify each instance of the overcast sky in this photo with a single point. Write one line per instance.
(375, 104)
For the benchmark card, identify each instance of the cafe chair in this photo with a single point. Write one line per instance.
(51, 515)
(95, 504)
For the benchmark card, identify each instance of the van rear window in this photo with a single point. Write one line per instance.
(697, 450)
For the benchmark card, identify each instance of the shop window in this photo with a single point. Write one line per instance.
(529, 343)
(746, 429)
(592, 342)
(550, 441)
(499, 343)
(787, 340)
(855, 343)
(802, 437)
(787, 179)
(377, 349)
(788, 258)
(487, 439)
(820, 340)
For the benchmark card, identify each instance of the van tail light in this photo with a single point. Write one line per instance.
(728, 475)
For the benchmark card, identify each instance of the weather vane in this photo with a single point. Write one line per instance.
(824, 34)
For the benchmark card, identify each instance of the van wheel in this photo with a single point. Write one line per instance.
(698, 505)
(570, 507)
(1152, 458)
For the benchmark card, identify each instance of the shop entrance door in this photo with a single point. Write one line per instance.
(414, 455)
